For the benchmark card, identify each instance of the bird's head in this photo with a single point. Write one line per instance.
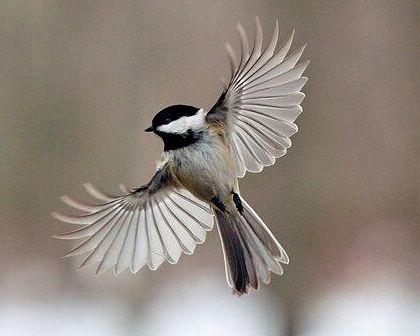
(178, 125)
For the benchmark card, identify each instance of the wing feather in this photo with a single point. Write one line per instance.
(124, 258)
(156, 250)
(262, 100)
(140, 227)
(99, 242)
(185, 228)
(175, 237)
(114, 248)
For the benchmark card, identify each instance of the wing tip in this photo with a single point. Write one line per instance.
(57, 236)
(285, 259)
(65, 198)
(55, 215)
(123, 188)
(291, 36)
(240, 27)
(87, 185)
(258, 27)
(61, 218)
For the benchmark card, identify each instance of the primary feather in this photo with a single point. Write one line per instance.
(262, 100)
(138, 228)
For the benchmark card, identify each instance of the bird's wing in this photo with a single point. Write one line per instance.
(262, 100)
(144, 226)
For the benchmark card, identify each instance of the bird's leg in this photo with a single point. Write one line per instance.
(218, 203)
(238, 202)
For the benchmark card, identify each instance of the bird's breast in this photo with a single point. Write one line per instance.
(204, 168)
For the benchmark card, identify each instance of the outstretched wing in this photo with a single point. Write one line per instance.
(261, 101)
(145, 226)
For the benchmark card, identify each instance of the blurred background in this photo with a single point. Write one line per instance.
(80, 80)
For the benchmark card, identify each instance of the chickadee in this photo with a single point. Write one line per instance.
(196, 181)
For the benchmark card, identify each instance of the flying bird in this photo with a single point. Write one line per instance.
(196, 181)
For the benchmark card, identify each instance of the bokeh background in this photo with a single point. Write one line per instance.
(80, 80)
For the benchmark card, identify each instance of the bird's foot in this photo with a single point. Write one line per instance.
(238, 202)
(219, 204)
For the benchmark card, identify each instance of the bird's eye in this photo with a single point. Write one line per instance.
(167, 121)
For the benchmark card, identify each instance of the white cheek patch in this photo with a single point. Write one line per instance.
(183, 124)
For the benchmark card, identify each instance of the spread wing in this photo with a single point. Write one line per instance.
(145, 226)
(261, 101)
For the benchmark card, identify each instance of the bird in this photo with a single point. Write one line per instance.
(196, 183)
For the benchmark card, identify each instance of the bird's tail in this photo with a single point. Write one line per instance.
(250, 250)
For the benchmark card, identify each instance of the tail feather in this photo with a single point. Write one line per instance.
(264, 234)
(234, 253)
(251, 251)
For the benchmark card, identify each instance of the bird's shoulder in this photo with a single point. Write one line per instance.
(217, 131)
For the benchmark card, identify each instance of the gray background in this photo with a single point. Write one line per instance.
(80, 80)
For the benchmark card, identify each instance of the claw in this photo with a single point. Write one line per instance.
(238, 202)
(219, 204)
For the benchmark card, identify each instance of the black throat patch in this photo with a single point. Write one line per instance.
(175, 141)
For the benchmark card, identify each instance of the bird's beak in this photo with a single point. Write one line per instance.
(150, 129)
